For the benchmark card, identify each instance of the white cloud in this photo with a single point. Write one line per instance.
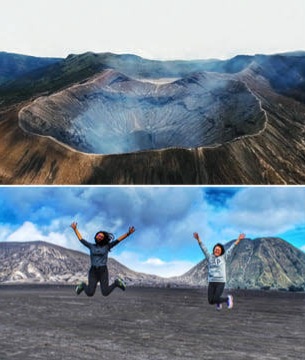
(5, 230)
(153, 266)
(259, 211)
(26, 232)
(154, 262)
(29, 232)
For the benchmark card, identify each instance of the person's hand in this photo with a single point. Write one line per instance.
(241, 236)
(74, 225)
(131, 230)
(196, 236)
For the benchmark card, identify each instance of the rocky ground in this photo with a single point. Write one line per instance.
(53, 323)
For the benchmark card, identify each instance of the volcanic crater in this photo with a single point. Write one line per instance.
(114, 114)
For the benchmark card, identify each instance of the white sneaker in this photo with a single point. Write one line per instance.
(230, 301)
(218, 307)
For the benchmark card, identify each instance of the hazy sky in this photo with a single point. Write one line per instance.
(165, 219)
(156, 29)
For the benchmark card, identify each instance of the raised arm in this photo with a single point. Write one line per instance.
(129, 232)
(240, 237)
(197, 237)
(77, 233)
(202, 246)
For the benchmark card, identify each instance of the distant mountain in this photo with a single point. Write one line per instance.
(79, 68)
(259, 263)
(30, 76)
(254, 264)
(236, 121)
(41, 262)
(13, 66)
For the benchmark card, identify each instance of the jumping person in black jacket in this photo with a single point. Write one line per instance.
(98, 272)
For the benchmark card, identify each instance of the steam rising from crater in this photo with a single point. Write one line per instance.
(113, 114)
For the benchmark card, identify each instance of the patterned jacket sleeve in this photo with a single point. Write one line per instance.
(204, 249)
(228, 252)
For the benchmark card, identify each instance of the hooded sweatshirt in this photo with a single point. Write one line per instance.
(99, 253)
(216, 264)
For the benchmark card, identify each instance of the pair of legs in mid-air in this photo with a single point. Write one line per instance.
(99, 274)
(215, 291)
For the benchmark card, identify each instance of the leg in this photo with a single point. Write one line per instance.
(92, 282)
(104, 281)
(211, 293)
(215, 291)
(218, 292)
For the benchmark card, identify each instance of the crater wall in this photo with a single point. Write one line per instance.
(115, 114)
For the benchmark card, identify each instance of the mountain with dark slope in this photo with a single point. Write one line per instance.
(286, 74)
(122, 119)
(79, 68)
(259, 263)
(41, 262)
(13, 66)
(30, 76)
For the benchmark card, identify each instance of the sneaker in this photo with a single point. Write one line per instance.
(120, 283)
(218, 307)
(230, 301)
(79, 288)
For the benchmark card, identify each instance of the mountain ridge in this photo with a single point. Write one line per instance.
(261, 263)
(13, 65)
(43, 262)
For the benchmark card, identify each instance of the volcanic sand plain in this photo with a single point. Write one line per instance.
(39, 322)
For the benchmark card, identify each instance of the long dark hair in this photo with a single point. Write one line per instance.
(107, 238)
(222, 248)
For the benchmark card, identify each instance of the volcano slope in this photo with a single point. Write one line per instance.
(231, 125)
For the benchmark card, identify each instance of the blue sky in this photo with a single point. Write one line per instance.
(156, 29)
(165, 219)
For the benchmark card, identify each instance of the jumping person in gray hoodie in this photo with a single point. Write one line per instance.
(217, 271)
(98, 272)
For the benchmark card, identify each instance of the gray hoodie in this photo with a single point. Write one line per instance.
(98, 253)
(216, 264)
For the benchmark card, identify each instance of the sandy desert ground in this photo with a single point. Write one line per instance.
(155, 324)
